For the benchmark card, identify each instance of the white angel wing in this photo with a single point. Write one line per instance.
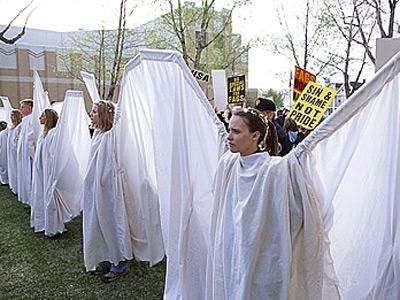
(40, 97)
(7, 108)
(57, 106)
(169, 141)
(353, 160)
(90, 83)
(40, 102)
(71, 151)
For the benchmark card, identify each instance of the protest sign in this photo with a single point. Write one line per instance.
(301, 78)
(200, 75)
(311, 105)
(236, 89)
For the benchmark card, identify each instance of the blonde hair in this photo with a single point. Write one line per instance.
(27, 102)
(51, 120)
(16, 116)
(106, 111)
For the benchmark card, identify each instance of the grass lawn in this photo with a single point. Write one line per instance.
(33, 266)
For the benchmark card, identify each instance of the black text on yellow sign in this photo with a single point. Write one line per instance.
(311, 105)
(236, 89)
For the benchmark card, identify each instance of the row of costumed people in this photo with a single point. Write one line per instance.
(54, 166)
(305, 226)
(44, 156)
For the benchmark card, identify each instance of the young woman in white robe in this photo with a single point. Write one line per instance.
(106, 236)
(260, 245)
(12, 143)
(40, 171)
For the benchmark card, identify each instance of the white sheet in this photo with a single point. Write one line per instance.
(176, 141)
(350, 162)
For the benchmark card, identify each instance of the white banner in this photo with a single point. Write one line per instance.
(219, 87)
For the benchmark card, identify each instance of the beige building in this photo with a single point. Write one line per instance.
(49, 53)
(37, 50)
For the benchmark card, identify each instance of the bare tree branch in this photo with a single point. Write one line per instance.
(11, 41)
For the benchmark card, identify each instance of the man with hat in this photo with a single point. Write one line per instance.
(268, 108)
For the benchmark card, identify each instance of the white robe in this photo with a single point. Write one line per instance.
(59, 166)
(13, 137)
(344, 175)
(115, 228)
(62, 201)
(38, 183)
(106, 235)
(25, 152)
(3, 156)
(266, 231)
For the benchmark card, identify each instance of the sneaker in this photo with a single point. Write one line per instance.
(112, 276)
(101, 269)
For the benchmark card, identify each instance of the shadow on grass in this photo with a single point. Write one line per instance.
(36, 267)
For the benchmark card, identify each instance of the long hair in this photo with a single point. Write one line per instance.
(16, 117)
(51, 120)
(290, 125)
(106, 111)
(268, 140)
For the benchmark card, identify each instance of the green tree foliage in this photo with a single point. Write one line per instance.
(202, 34)
(103, 53)
(306, 37)
(277, 96)
(333, 38)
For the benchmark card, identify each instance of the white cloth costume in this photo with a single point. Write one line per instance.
(40, 170)
(29, 134)
(90, 83)
(120, 211)
(335, 199)
(12, 144)
(4, 141)
(175, 142)
(266, 231)
(3, 156)
(25, 152)
(59, 166)
(106, 232)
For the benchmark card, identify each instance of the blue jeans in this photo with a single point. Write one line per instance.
(120, 268)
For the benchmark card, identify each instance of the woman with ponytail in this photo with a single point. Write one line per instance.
(253, 222)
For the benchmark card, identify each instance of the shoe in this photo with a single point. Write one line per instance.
(102, 268)
(112, 276)
(53, 236)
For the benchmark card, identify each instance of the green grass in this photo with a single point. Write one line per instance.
(33, 266)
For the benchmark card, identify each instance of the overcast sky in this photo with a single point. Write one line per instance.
(256, 20)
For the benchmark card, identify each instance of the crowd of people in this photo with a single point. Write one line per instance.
(28, 162)
(28, 165)
(271, 223)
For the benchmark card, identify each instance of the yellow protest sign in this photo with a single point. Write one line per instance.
(236, 89)
(311, 105)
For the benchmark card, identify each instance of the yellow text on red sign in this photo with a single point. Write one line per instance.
(301, 78)
(311, 105)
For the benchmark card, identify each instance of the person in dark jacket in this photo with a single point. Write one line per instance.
(268, 108)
